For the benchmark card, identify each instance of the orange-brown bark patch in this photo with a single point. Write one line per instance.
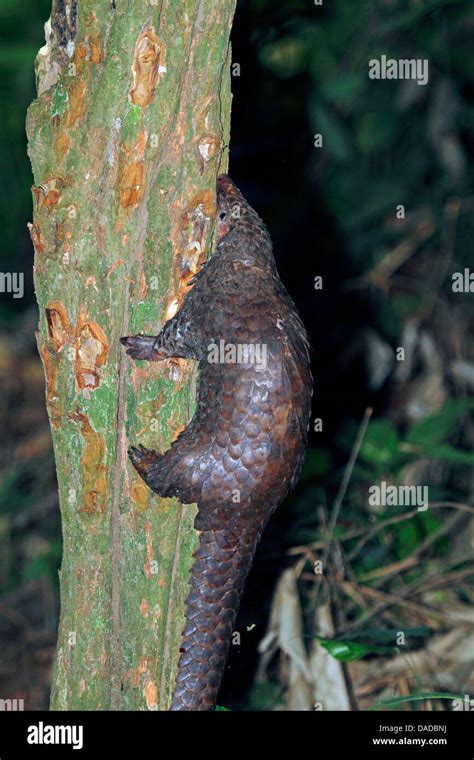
(148, 65)
(50, 366)
(50, 199)
(189, 231)
(93, 464)
(143, 287)
(149, 551)
(47, 194)
(132, 172)
(151, 695)
(133, 676)
(58, 324)
(36, 237)
(61, 145)
(132, 184)
(92, 349)
(95, 55)
(139, 493)
(76, 103)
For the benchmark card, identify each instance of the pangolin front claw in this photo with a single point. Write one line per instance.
(142, 347)
(142, 458)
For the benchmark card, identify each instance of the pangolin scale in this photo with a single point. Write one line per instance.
(244, 446)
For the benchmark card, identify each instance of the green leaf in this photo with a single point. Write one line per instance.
(408, 539)
(376, 131)
(345, 89)
(430, 521)
(415, 698)
(352, 650)
(380, 445)
(438, 427)
(450, 454)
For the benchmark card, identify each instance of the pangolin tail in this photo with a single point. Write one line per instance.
(222, 562)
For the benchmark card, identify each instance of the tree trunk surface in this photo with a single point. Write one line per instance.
(126, 138)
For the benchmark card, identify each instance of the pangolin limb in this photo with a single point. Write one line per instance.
(245, 445)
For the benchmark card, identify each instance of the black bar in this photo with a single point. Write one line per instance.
(315, 735)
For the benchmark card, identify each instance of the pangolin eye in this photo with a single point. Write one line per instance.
(222, 215)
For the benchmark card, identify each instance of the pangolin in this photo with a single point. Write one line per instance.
(244, 446)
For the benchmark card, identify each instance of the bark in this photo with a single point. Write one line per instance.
(126, 138)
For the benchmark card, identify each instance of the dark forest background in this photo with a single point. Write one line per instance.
(387, 283)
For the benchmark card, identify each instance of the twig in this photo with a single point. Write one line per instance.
(342, 492)
(390, 600)
(418, 587)
(348, 471)
(356, 532)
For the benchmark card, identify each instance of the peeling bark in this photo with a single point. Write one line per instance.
(126, 139)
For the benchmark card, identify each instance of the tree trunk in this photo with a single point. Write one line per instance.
(126, 139)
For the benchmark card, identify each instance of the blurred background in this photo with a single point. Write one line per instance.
(390, 622)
